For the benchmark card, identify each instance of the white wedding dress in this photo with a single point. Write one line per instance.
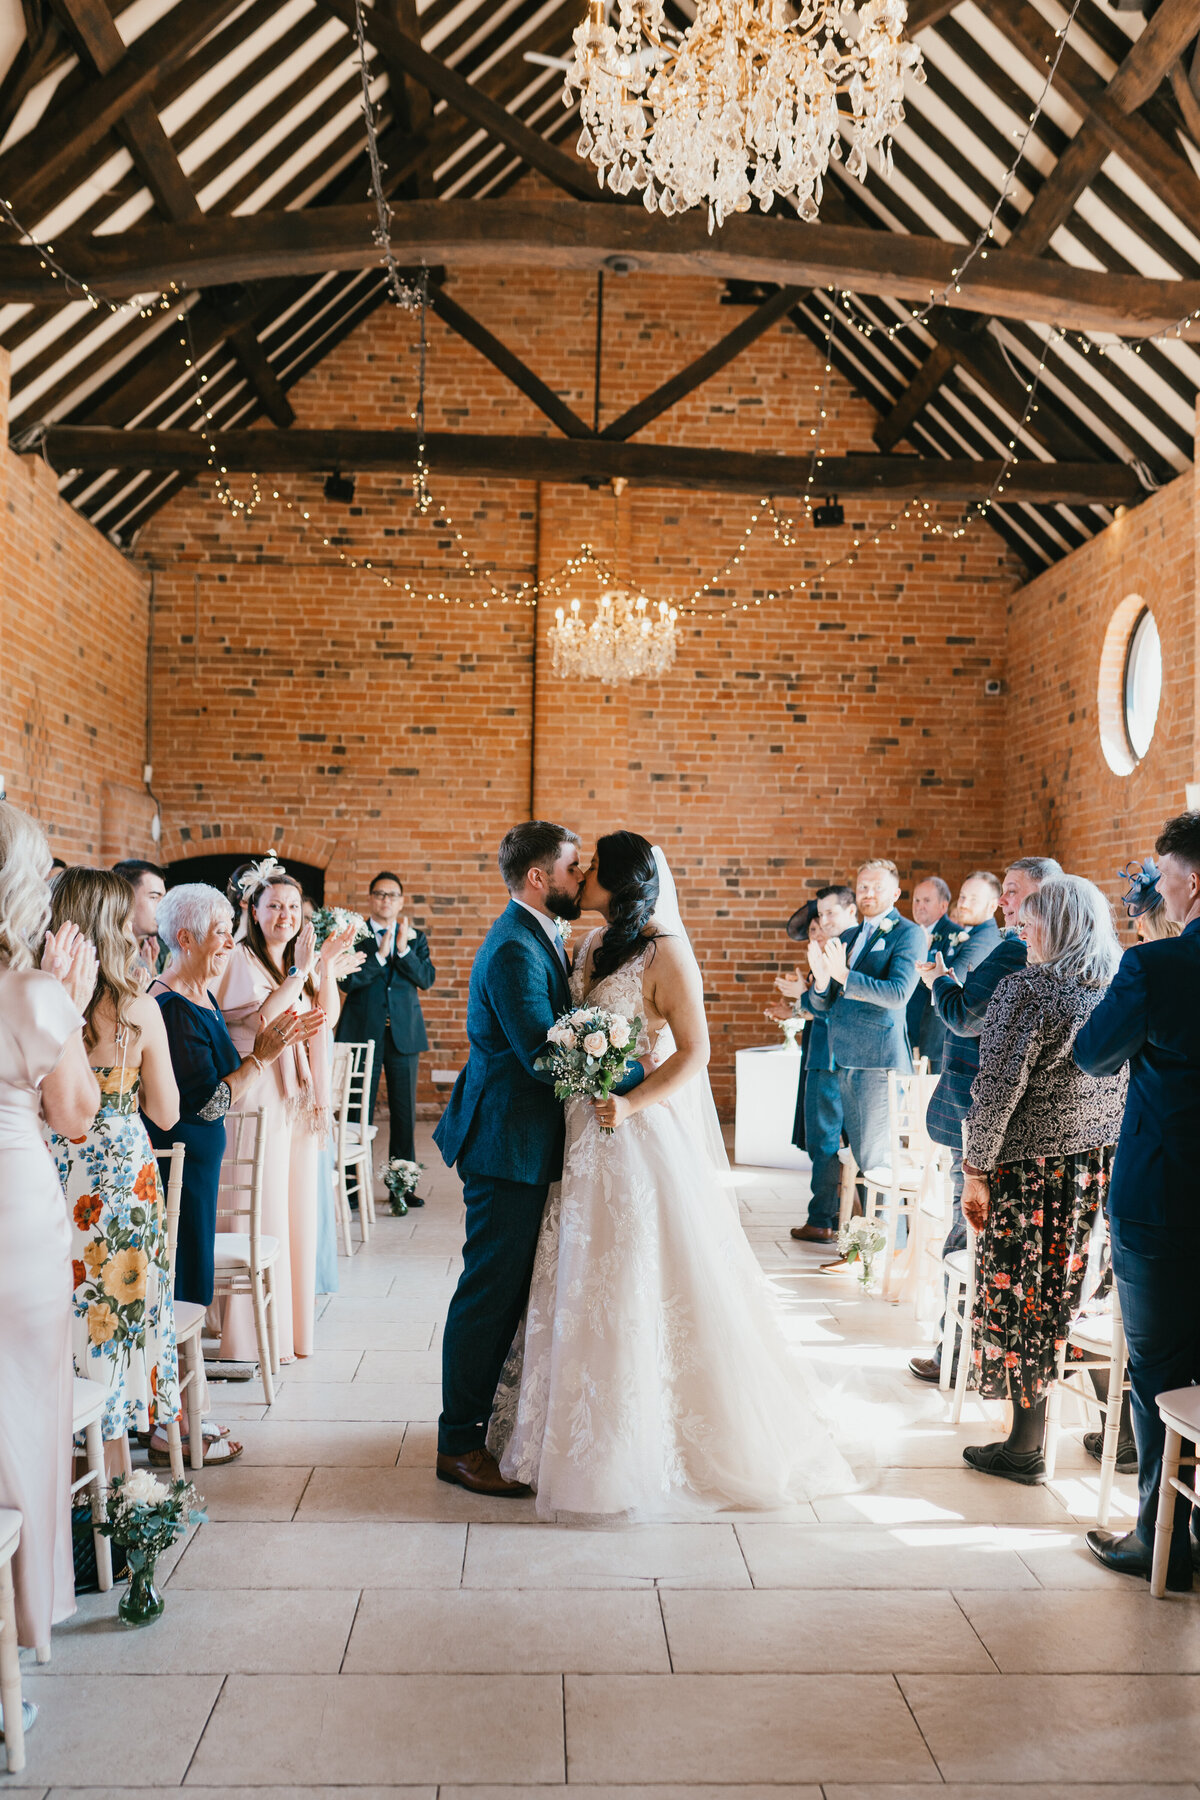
(650, 1377)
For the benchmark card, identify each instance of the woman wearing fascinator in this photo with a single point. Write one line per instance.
(1144, 903)
(276, 968)
(651, 1376)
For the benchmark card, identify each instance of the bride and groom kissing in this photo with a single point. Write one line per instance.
(612, 1345)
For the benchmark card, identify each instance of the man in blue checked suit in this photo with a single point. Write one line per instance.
(961, 997)
(861, 990)
(505, 1130)
(931, 911)
(1150, 1019)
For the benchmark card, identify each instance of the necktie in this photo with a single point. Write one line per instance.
(860, 943)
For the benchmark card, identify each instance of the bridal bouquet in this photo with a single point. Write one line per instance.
(590, 1051)
(861, 1241)
(331, 921)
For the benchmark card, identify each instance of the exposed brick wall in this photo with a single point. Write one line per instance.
(301, 706)
(1062, 795)
(73, 621)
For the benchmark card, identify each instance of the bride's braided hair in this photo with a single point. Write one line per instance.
(626, 867)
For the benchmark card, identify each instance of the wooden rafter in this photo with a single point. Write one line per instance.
(591, 459)
(510, 365)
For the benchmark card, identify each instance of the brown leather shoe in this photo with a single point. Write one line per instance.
(925, 1368)
(479, 1472)
(814, 1234)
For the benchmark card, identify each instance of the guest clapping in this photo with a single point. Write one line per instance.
(124, 1331)
(44, 1075)
(1038, 1145)
(276, 969)
(931, 911)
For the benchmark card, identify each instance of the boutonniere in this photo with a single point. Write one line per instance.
(564, 928)
(957, 937)
(884, 926)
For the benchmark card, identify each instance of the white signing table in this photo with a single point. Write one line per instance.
(768, 1081)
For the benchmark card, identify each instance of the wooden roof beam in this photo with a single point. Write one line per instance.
(510, 365)
(586, 460)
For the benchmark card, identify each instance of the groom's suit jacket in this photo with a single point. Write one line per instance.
(866, 1016)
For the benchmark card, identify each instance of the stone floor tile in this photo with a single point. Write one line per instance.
(323, 1556)
(582, 1790)
(402, 1494)
(365, 1279)
(259, 1631)
(741, 1728)
(83, 1729)
(914, 1496)
(507, 1632)
(347, 1729)
(1078, 1490)
(321, 1442)
(864, 1556)
(330, 1366)
(1061, 1559)
(552, 1556)
(346, 1333)
(400, 1366)
(192, 1792)
(393, 1309)
(774, 1631)
(420, 1445)
(249, 1491)
(971, 1790)
(1116, 1630)
(1071, 1727)
(359, 1400)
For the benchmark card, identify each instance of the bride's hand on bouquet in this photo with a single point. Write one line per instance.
(612, 1112)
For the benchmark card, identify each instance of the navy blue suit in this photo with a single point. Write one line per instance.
(925, 1029)
(505, 1130)
(1150, 1018)
(382, 1002)
(817, 1126)
(867, 1035)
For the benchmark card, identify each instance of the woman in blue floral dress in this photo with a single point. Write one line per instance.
(124, 1316)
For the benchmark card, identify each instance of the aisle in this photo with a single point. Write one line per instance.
(346, 1624)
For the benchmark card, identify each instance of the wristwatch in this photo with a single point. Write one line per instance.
(293, 971)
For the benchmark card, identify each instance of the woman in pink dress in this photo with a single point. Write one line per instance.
(275, 967)
(44, 1074)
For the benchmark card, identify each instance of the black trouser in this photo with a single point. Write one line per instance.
(400, 1070)
(1155, 1270)
(503, 1221)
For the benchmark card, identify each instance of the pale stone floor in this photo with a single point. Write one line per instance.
(346, 1625)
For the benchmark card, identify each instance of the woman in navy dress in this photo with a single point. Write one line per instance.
(195, 922)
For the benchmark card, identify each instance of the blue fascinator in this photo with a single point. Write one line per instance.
(1143, 896)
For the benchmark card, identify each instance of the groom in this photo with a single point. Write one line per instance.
(505, 1130)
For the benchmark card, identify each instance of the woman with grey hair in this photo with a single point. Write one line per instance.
(195, 922)
(1038, 1145)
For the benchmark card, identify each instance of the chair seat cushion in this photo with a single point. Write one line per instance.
(10, 1531)
(88, 1400)
(1092, 1332)
(233, 1250)
(189, 1319)
(957, 1260)
(1180, 1407)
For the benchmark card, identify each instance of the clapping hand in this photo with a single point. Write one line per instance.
(818, 962)
(779, 1012)
(834, 954)
(71, 959)
(928, 971)
(940, 969)
(305, 955)
(404, 936)
(791, 985)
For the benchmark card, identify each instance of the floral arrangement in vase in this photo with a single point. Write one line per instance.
(400, 1179)
(860, 1241)
(145, 1516)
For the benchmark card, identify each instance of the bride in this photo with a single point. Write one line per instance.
(650, 1376)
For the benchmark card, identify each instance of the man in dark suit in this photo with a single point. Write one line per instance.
(1150, 1019)
(505, 1130)
(817, 1126)
(961, 997)
(382, 1002)
(861, 990)
(931, 911)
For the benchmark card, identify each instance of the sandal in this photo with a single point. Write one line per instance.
(224, 1450)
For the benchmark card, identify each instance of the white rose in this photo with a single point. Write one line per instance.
(567, 1039)
(618, 1033)
(580, 1016)
(142, 1489)
(595, 1043)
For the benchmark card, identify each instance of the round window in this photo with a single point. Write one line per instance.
(1142, 687)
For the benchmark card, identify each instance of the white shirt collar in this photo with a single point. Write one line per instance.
(547, 924)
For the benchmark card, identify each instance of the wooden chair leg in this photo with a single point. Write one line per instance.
(1054, 1416)
(366, 1187)
(94, 1441)
(10, 1675)
(272, 1318)
(342, 1197)
(175, 1449)
(1164, 1525)
(195, 1403)
(846, 1194)
(258, 1303)
(1112, 1424)
(364, 1221)
(954, 1288)
(964, 1342)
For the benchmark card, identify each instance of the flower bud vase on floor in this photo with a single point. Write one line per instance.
(141, 1603)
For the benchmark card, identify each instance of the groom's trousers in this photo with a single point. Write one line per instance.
(503, 1221)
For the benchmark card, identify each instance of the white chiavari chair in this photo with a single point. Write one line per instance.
(189, 1329)
(10, 1662)
(245, 1259)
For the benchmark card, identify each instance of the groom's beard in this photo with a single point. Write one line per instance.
(563, 905)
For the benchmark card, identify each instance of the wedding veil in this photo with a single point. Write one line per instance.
(696, 1099)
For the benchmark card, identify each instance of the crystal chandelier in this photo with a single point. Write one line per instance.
(750, 101)
(630, 639)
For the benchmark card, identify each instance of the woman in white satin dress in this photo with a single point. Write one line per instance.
(651, 1377)
(43, 1074)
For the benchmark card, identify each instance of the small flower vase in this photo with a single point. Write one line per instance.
(791, 1031)
(141, 1603)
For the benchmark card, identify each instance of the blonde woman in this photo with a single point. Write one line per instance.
(44, 1076)
(124, 1331)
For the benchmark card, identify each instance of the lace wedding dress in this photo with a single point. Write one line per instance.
(650, 1377)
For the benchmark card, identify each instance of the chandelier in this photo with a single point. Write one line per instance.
(628, 640)
(749, 102)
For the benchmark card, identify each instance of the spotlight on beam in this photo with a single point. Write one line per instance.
(339, 487)
(823, 517)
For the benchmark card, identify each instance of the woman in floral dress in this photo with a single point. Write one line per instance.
(124, 1316)
(1038, 1146)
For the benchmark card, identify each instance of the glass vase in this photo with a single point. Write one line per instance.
(141, 1603)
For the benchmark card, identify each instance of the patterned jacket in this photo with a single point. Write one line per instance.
(962, 1011)
(1030, 1097)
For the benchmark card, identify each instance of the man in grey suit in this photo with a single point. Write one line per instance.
(862, 990)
